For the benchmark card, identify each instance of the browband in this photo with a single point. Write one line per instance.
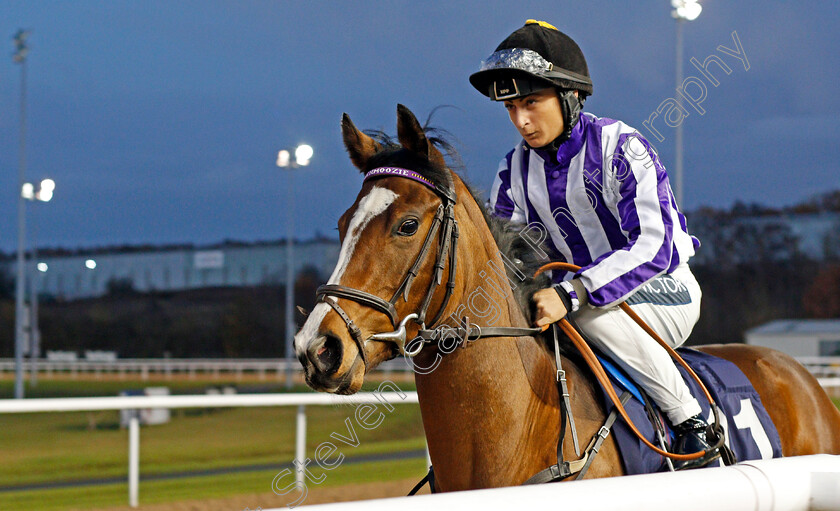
(401, 172)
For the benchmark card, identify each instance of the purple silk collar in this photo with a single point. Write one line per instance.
(397, 171)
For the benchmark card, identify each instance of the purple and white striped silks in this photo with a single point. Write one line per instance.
(605, 205)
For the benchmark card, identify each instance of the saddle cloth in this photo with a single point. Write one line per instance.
(749, 431)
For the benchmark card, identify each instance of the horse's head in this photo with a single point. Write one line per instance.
(396, 238)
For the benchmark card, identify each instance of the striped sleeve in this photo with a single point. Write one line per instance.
(501, 202)
(645, 216)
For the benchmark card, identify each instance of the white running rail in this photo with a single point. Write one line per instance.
(301, 400)
(167, 368)
(800, 483)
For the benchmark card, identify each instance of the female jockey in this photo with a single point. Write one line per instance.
(599, 194)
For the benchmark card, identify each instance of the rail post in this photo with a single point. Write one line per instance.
(133, 459)
(300, 443)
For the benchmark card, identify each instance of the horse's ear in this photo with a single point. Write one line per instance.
(360, 146)
(413, 137)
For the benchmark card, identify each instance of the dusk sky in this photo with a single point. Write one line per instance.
(160, 120)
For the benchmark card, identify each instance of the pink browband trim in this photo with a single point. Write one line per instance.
(397, 171)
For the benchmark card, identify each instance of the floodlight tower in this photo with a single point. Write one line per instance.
(44, 193)
(684, 10)
(19, 57)
(302, 154)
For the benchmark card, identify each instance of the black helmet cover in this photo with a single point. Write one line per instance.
(535, 57)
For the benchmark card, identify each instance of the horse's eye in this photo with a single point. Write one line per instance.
(408, 228)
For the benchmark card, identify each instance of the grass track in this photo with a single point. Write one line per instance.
(37, 448)
(51, 447)
(200, 487)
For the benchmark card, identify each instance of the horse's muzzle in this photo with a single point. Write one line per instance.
(324, 354)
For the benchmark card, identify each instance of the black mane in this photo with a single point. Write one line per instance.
(395, 155)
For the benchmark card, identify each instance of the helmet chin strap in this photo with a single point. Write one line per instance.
(571, 105)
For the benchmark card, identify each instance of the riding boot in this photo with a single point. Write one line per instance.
(691, 438)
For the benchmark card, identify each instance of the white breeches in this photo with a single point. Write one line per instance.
(670, 304)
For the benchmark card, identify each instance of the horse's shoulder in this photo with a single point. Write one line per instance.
(539, 368)
(539, 364)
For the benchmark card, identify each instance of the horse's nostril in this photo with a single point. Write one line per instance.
(325, 354)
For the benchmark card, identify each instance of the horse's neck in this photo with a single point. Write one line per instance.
(480, 409)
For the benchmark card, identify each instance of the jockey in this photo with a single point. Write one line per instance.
(595, 189)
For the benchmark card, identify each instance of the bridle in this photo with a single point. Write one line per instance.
(443, 223)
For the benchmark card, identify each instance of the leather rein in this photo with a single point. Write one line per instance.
(445, 227)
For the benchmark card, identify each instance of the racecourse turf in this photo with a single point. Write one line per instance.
(241, 449)
(233, 447)
(208, 487)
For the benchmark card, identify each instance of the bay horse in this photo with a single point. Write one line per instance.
(490, 408)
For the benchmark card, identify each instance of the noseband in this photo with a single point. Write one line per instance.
(444, 222)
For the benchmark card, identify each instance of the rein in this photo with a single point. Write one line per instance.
(598, 370)
(444, 222)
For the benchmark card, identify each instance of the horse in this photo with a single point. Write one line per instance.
(490, 408)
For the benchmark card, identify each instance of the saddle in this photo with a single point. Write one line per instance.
(750, 433)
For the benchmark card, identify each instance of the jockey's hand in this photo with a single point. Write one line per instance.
(548, 307)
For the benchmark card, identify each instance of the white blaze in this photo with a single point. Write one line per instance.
(374, 203)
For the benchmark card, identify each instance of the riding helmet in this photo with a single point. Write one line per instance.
(535, 57)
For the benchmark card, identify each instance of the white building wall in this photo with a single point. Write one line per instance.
(795, 346)
(68, 277)
(798, 337)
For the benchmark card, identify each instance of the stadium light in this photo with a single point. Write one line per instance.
(687, 10)
(19, 57)
(684, 10)
(44, 193)
(303, 154)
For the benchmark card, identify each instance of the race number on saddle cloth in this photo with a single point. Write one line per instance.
(749, 431)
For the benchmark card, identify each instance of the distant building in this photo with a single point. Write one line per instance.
(90, 273)
(798, 337)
